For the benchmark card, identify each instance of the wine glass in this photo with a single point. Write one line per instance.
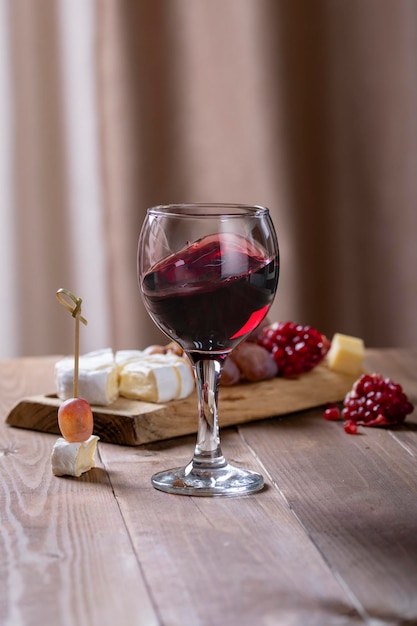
(208, 274)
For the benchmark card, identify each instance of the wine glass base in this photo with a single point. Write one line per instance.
(224, 481)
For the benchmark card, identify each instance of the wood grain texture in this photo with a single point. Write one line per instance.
(64, 551)
(357, 502)
(330, 541)
(131, 422)
(209, 561)
(57, 566)
(356, 497)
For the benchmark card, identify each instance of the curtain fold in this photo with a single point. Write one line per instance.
(353, 147)
(306, 107)
(40, 198)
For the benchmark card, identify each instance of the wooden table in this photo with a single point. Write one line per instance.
(332, 540)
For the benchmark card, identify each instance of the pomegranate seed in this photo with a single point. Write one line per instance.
(296, 349)
(350, 427)
(332, 413)
(376, 401)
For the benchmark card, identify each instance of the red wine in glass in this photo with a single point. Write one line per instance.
(212, 293)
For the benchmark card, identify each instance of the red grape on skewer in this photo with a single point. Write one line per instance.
(73, 454)
(75, 420)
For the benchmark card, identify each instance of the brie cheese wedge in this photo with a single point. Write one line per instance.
(73, 459)
(97, 377)
(156, 378)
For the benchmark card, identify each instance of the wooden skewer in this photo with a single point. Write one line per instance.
(63, 295)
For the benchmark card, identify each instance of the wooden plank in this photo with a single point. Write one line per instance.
(65, 557)
(356, 498)
(133, 423)
(62, 560)
(209, 561)
(331, 541)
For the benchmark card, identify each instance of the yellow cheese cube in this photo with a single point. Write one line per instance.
(346, 354)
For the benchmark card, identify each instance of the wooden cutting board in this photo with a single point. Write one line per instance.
(133, 423)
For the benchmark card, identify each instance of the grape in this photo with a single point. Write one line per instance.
(75, 420)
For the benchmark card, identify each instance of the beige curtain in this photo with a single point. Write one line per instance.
(115, 105)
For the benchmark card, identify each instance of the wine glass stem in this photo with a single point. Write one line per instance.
(208, 453)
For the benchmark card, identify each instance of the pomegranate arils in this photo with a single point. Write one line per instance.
(376, 401)
(332, 413)
(295, 348)
(350, 427)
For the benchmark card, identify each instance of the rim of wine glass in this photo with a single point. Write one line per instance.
(196, 209)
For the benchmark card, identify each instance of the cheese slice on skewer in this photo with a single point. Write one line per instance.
(73, 459)
(97, 377)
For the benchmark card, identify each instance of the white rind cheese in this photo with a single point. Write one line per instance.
(186, 376)
(134, 374)
(156, 378)
(73, 459)
(122, 357)
(97, 377)
(346, 354)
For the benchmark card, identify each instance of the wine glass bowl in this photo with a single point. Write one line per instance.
(208, 274)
